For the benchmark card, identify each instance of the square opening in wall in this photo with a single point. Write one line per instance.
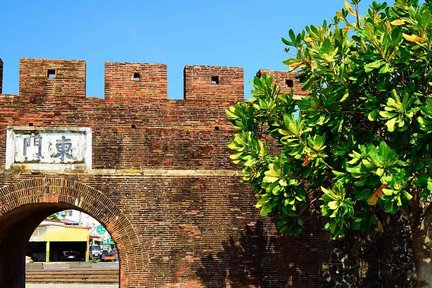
(214, 79)
(136, 76)
(51, 73)
(289, 83)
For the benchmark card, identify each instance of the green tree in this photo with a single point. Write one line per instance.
(54, 216)
(361, 145)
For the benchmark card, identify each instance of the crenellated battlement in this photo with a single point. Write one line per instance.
(43, 77)
(137, 82)
(213, 82)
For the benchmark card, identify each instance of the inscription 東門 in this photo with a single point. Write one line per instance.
(63, 148)
(48, 148)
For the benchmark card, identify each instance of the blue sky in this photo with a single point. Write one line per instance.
(242, 33)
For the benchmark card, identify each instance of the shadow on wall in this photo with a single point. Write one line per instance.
(257, 259)
(386, 260)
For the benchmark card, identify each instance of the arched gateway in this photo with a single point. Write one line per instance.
(25, 204)
(156, 172)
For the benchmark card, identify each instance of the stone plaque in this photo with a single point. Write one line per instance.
(48, 148)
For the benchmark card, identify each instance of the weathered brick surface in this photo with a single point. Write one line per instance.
(135, 81)
(210, 82)
(69, 78)
(162, 182)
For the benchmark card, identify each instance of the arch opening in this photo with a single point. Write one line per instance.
(71, 246)
(25, 204)
(16, 229)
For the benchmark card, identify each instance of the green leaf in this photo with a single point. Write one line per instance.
(429, 184)
(264, 200)
(330, 193)
(388, 192)
(373, 115)
(333, 205)
(265, 210)
(407, 195)
(391, 124)
(373, 65)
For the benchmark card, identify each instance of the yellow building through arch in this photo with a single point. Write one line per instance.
(53, 240)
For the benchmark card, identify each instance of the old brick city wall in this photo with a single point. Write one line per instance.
(161, 180)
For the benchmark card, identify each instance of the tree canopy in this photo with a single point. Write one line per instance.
(360, 146)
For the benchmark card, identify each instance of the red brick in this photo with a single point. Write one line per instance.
(162, 182)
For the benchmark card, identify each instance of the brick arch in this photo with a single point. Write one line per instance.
(71, 194)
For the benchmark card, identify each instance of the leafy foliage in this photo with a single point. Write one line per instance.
(361, 144)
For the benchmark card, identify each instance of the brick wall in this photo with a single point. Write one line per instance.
(162, 181)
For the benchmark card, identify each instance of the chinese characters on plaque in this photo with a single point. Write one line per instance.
(49, 148)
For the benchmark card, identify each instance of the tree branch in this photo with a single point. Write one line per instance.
(427, 217)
